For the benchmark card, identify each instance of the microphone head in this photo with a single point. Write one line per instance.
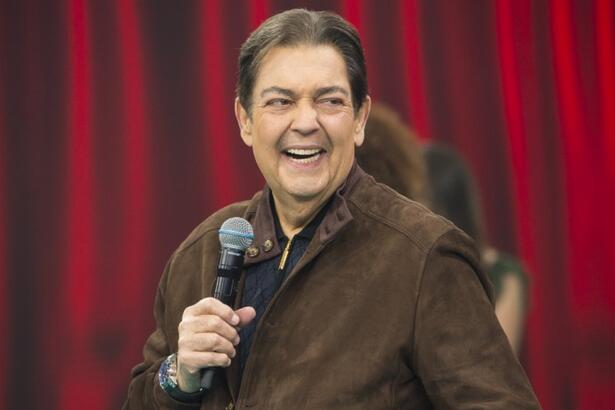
(236, 233)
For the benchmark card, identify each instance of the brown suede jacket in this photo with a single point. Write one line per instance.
(387, 309)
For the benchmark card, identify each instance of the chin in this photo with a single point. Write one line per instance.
(304, 191)
(304, 195)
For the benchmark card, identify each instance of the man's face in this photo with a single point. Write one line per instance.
(303, 129)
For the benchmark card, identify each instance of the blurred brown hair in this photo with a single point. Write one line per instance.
(391, 153)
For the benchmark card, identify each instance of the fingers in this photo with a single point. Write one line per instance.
(246, 315)
(207, 338)
(208, 324)
(208, 335)
(211, 306)
(200, 360)
(206, 342)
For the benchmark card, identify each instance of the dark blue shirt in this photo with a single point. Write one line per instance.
(264, 279)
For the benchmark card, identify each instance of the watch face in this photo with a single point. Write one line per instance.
(167, 374)
(167, 378)
(173, 378)
(172, 370)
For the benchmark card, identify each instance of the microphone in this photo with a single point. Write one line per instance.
(236, 235)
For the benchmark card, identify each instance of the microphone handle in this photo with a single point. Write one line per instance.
(225, 290)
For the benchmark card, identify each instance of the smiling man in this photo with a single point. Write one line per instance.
(352, 296)
(303, 128)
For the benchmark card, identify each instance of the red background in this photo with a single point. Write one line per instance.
(117, 137)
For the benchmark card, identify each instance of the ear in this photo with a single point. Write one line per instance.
(244, 122)
(361, 120)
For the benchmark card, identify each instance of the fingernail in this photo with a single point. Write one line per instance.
(236, 340)
(235, 320)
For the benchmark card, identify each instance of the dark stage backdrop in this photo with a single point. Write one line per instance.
(117, 138)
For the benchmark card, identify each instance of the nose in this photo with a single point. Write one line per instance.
(305, 120)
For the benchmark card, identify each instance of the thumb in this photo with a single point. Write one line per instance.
(246, 315)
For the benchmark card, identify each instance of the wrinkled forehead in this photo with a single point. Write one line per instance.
(300, 68)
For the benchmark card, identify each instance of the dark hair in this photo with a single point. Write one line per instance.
(391, 154)
(453, 190)
(297, 27)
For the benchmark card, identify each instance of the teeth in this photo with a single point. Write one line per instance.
(306, 160)
(297, 151)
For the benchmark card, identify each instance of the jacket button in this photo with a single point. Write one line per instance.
(268, 245)
(252, 252)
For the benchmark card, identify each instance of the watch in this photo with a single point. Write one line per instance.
(167, 377)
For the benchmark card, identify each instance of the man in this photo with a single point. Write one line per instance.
(352, 296)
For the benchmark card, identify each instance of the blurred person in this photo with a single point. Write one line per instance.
(352, 296)
(391, 153)
(454, 195)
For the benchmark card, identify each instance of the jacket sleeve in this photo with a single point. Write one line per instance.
(460, 351)
(144, 391)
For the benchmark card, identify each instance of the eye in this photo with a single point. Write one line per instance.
(279, 102)
(332, 101)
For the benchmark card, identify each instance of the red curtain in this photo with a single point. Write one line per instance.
(117, 136)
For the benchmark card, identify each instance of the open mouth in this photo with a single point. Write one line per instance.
(304, 156)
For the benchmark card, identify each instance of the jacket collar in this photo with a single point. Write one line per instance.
(259, 213)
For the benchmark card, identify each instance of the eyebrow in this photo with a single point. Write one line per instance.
(319, 93)
(330, 90)
(278, 90)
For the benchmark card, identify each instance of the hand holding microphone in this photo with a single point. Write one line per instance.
(208, 330)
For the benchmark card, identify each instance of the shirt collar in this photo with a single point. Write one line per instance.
(308, 231)
(331, 218)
